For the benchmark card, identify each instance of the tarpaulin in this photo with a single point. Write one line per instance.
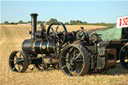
(112, 33)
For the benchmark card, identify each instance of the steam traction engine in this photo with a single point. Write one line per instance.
(76, 53)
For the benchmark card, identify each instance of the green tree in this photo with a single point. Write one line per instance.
(28, 22)
(13, 23)
(39, 22)
(6, 22)
(51, 21)
(77, 22)
(21, 22)
(66, 23)
(84, 22)
(72, 22)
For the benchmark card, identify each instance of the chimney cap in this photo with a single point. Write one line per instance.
(34, 14)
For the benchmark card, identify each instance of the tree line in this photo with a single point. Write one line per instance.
(22, 22)
(71, 22)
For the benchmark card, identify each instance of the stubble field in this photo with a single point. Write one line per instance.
(11, 38)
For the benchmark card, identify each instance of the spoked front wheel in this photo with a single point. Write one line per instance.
(75, 60)
(18, 61)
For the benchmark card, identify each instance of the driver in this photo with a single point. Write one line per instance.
(43, 30)
(82, 28)
(43, 26)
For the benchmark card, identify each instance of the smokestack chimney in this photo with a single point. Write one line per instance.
(34, 23)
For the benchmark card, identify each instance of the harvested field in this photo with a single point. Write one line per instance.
(11, 38)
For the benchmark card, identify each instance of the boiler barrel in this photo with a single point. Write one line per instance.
(38, 46)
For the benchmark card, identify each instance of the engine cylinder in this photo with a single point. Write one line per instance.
(38, 46)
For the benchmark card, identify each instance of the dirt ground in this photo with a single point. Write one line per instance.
(11, 38)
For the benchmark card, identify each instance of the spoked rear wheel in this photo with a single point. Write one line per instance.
(124, 56)
(18, 61)
(74, 60)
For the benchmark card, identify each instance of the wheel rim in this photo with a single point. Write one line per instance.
(17, 62)
(72, 61)
(124, 57)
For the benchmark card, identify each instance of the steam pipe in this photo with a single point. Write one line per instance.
(34, 23)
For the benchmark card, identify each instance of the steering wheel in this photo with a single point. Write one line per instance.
(59, 36)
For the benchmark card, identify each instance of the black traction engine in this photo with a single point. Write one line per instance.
(76, 53)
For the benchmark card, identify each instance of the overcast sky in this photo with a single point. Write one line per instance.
(91, 11)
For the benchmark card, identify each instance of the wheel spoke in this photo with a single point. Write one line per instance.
(16, 56)
(19, 68)
(21, 59)
(53, 30)
(16, 63)
(13, 68)
(57, 28)
(61, 40)
(78, 67)
(79, 63)
(79, 60)
(64, 66)
(57, 36)
(70, 68)
(74, 53)
(71, 50)
(20, 55)
(12, 60)
(79, 55)
(67, 55)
